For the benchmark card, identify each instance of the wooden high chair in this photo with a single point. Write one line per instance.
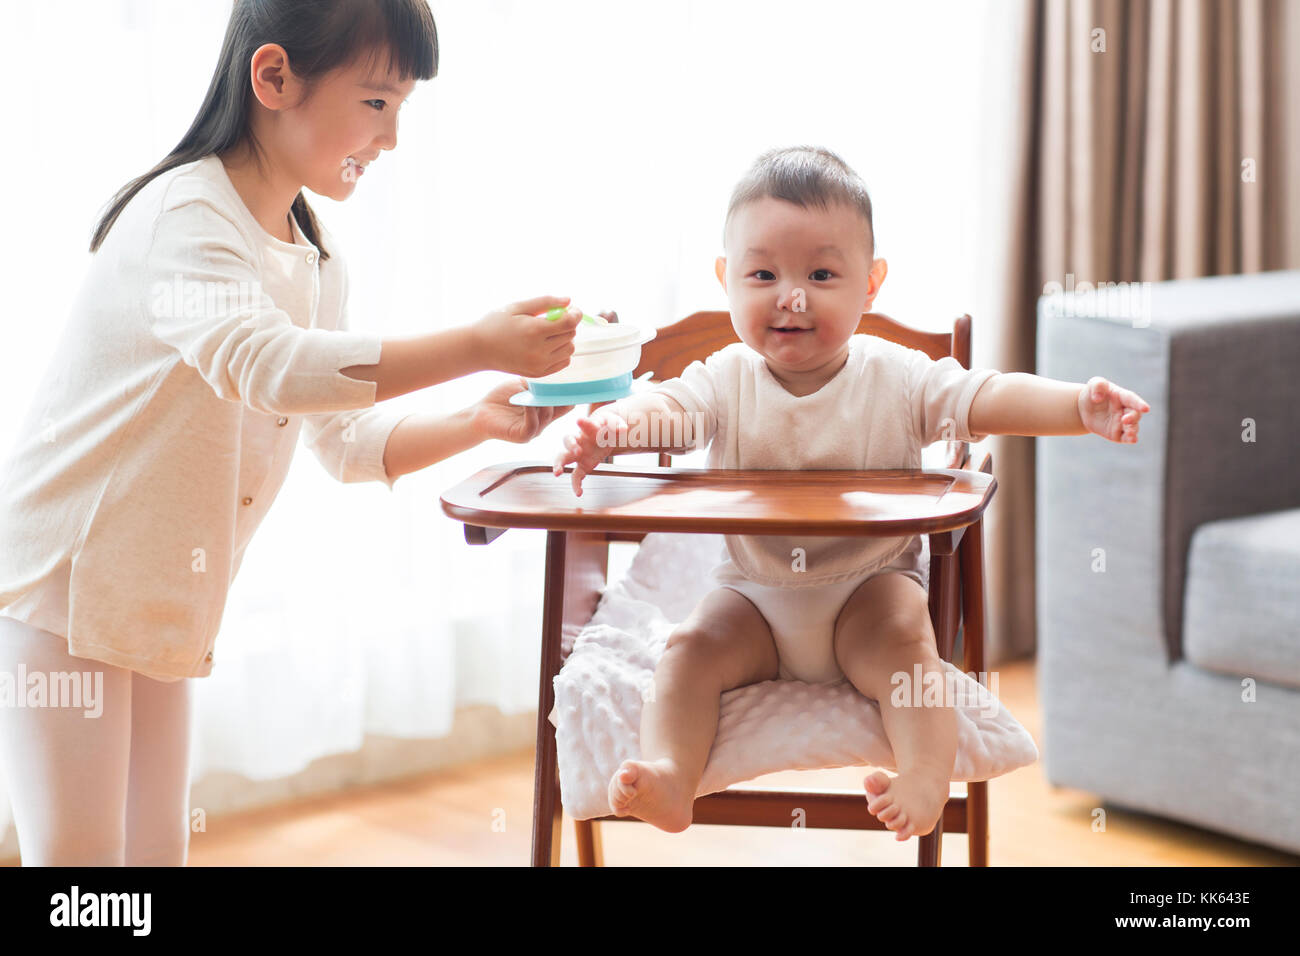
(577, 563)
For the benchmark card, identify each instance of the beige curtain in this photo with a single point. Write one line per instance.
(1147, 140)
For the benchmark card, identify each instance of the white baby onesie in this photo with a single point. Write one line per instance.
(879, 411)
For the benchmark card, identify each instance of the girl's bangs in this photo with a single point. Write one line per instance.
(394, 34)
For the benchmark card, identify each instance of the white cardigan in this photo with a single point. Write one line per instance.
(197, 347)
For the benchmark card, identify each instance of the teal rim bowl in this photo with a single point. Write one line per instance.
(559, 390)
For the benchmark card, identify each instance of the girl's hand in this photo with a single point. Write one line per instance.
(1110, 411)
(495, 417)
(518, 340)
(595, 439)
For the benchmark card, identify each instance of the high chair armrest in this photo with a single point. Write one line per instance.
(476, 534)
(979, 457)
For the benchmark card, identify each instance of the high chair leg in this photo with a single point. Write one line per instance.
(547, 809)
(590, 851)
(944, 594)
(576, 566)
(977, 822)
(927, 854)
(971, 556)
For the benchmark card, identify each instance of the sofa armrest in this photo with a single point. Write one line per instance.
(1216, 358)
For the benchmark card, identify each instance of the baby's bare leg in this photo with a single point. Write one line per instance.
(885, 629)
(724, 644)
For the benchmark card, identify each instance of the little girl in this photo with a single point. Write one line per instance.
(209, 330)
(802, 391)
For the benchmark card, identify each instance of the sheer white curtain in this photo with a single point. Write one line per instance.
(576, 148)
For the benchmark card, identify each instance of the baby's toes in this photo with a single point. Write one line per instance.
(627, 776)
(891, 813)
(616, 800)
(619, 794)
(881, 804)
(621, 785)
(876, 784)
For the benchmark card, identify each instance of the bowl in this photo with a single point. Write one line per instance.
(604, 358)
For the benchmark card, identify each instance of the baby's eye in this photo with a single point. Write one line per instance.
(821, 275)
(381, 105)
(763, 274)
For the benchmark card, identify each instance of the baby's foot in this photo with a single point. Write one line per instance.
(908, 804)
(653, 791)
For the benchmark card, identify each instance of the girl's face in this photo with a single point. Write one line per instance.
(339, 126)
(797, 282)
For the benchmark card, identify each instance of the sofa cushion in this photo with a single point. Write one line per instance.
(1242, 615)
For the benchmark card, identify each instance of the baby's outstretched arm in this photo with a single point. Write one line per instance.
(652, 422)
(1018, 403)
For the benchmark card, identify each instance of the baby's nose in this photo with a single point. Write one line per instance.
(791, 300)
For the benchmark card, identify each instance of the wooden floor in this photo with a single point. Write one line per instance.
(480, 815)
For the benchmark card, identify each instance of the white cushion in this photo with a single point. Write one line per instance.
(766, 727)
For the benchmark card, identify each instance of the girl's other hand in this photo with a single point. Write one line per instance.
(1110, 411)
(518, 340)
(495, 417)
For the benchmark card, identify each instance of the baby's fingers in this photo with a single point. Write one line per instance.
(570, 453)
(578, 473)
(561, 459)
(1135, 401)
(1098, 389)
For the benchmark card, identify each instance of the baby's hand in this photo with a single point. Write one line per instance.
(596, 437)
(1110, 411)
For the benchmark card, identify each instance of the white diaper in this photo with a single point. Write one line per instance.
(803, 619)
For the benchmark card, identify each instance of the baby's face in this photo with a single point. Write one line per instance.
(798, 281)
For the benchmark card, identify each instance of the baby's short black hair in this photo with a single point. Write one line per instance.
(806, 176)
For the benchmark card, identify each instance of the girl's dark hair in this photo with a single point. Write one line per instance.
(318, 36)
(806, 176)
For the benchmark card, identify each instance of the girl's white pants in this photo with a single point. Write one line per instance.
(105, 790)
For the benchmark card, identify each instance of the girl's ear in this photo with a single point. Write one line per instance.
(274, 83)
(720, 269)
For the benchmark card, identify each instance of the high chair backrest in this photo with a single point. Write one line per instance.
(700, 335)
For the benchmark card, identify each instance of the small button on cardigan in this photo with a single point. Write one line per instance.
(196, 349)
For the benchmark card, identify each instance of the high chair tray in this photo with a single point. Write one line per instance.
(881, 503)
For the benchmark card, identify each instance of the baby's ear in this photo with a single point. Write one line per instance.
(879, 268)
(720, 269)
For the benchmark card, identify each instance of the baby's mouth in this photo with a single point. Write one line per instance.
(789, 331)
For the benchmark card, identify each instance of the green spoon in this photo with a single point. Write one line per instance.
(554, 314)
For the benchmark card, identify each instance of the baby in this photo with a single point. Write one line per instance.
(802, 391)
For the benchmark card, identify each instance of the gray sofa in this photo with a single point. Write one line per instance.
(1168, 572)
